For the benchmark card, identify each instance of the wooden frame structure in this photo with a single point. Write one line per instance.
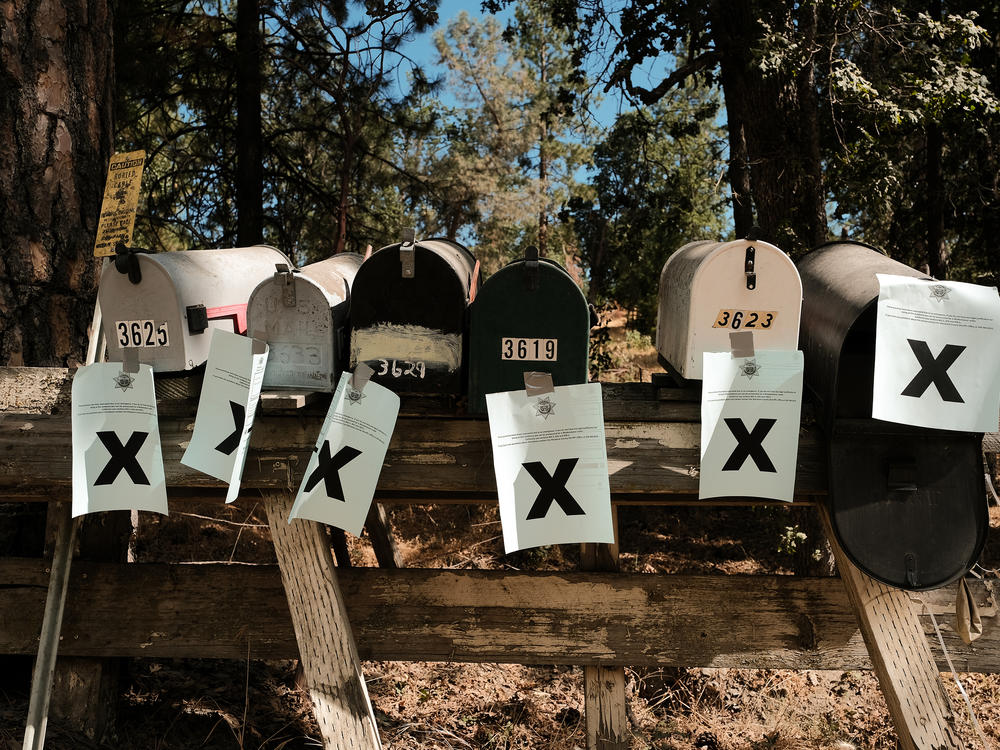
(595, 617)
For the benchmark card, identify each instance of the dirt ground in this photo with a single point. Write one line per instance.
(221, 705)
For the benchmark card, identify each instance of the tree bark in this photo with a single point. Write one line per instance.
(249, 133)
(57, 78)
(774, 166)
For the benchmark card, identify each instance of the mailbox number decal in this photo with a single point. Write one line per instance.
(536, 350)
(142, 333)
(736, 319)
(401, 369)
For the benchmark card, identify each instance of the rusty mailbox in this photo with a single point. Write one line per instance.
(162, 304)
(711, 289)
(409, 309)
(529, 315)
(907, 504)
(303, 316)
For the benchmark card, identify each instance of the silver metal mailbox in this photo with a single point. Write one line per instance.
(164, 304)
(710, 289)
(303, 316)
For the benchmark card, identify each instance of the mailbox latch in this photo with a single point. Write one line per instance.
(285, 276)
(749, 267)
(531, 268)
(406, 254)
(902, 476)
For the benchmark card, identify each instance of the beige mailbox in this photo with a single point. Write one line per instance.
(709, 290)
(303, 316)
(162, 304)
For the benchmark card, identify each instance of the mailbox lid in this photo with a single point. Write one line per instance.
(840, 295)
(411, 330)
(706, 293)
(335, 275)
(527, 317)
(221, 281)
(908, 505)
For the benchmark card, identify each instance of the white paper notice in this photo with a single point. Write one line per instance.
(937, 354)
(551, 466)
(342, 473)
(117, 464)
(750, 411)
(226, 408)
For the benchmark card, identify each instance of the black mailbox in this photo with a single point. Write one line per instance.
(409, 306)
(908, 504)
(529, 315)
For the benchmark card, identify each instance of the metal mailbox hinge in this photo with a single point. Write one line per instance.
(406, 253)
(749, 267)
(285, 276)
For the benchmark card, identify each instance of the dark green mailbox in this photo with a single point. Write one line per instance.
(529, 315)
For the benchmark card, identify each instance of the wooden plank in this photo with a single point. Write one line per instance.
(569, 618)
(440, 457)
(329, 655)
(604, 686)
(901, 657)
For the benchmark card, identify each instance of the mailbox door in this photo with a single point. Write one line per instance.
(411, 330)
(152, 321)
(908, 505)
(710, 289)
(299, 332)
(527, 318)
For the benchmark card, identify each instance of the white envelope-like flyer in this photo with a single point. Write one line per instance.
(229, 395)
(551, 466)
(937, 354)
(343, 470)
(750, 412)
(117, 461)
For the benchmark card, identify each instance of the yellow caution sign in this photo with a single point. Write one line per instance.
(121, 201)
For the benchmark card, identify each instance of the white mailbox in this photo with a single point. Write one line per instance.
(162, 304)
(303, 315)
(708, 290)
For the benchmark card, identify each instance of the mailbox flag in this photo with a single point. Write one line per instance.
(229, 395)
(117, 464)
(937, 354)
(551, 466)
(340, 479)
(750, 412)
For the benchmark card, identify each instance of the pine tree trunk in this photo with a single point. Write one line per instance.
(57, 79)
(249, 134)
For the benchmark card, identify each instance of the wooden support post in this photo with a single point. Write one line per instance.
(329, 655)
(604, 687)
(48, 642)
(900, 655)
(380, 533)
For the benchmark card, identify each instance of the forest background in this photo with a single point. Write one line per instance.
(320, 127)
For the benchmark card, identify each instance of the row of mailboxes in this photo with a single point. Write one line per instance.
(907, 504)
(409, 311)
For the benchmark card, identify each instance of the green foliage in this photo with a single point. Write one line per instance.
(656, 187)
(332, 117)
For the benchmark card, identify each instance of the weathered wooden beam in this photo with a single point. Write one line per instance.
(329, 655)
(440, 457)
(223, 609)
(605, 718)
(901, 657)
